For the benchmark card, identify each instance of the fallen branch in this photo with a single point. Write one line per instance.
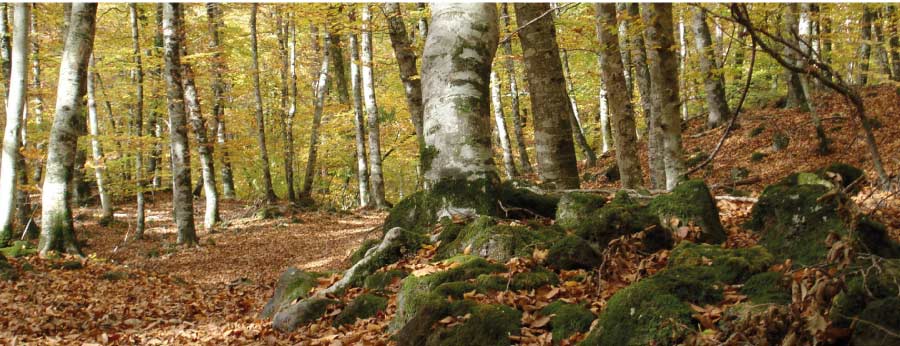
(737, 199)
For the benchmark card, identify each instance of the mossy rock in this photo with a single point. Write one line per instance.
(757, 156)
(421, 325)
(423, 209)
(780, 141)
(533, 279)
(621, 216)
(535, 204)
(488, 325)
(572, 252)
(568, 319)
(574, 207)
(690, 202)
(361, 251)
(739, 317)
(293, 284)
(18, 248)
(848, 173)
(380, 280)
(449, 230)
(873, 238)
(269, 212)
(302, 312)
(364, 306)
(487, 282)
(419, 291)
(878, 283)
(7, 271)
(756, 131)
(67, 265)
(728, 265)
(878, 324)
(485, 238)
(396, 244)
(768, 288)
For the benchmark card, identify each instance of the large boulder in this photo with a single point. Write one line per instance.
(622, 216)
(727, 265)
(302, 312)
(485, 238)
(292, 285)
(690, 203)
(487, 325)
(572, 252)
(574, 207)
(567, 319)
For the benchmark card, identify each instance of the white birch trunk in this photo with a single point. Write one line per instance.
(138, 121)
(362, 165)
(204, 146)
(500, 121)
(376, 177)
(15, 104)
(97, 150)
(319, 105)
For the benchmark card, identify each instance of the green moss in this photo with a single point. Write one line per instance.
(619, 217)
(489, 282)
(419, 211)
(756, 131)
(292, 285)
(18, 248)
(407, 243)
(727, 265)
(757, 156)
(361, 251)
(569, 319)
(115, 276)
(499, 242)
(695, 159)
(488, 325)
(572, 252)
(874, 238)
(861, 290)
(303, 312)
(780, 141)
(449, 230)
(534, 203)
(691, 201)
(848, 173)
(364, 306)
(768, 288)
(380, 280)
(575, 207)
(698, 285)
(878, 324)
(536, 278)
(455, 289)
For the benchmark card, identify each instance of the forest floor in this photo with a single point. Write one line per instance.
(151, 293)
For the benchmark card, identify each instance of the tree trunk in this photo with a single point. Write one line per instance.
(362, 166)
(620, 105)
(15, 104)
(557, 164)
(663, 67)
(682, 58)
(795, 96)
(154, 167)
(368, 85)
(650, 110)
(865, 47)
(260, 120)
(605, 138)
(500, 121)
(36, 89)
(409, 75)
(57, 227)
(321, 90)
(456, 68)
(340, 75)
(575, 120)
(881, 56)
(893, 41)
(5, 52)
(624, 39)
(713, 83)
(518, 122)
(217, 66)
(287, 130)
(138, 121)
(97, 150)
(182, 201)
(204, 145)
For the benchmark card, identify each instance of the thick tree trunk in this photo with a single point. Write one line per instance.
(217, 67)
(890, 13)
(368, 85)
(650, 109)
(663, 66)
(713, 83)
(624, 42)
(409, 75)
(138, 120)
(204, 144)
(97, 150)
(865, 47)
(575, 119)
(518, 121)
(795, 94)
(340, 74)
(456, 69)
(362, 165)
(15, 104)
(880, 51)
(260, 120)
(620, 105)
(319, 105)
(182, 200)
(500, 121)
(287, 130)
(57, 227)
(557, 165)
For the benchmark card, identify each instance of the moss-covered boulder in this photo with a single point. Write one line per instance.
(488, 325)
(621, 216)
(7, 271)
(768, 288)
(572, 252)
(535, 278)
(421, 325)
(690, 203)
(848, 173)
(761, 324)
(364, 306)
(574, 207)
(361, 251)
(567, 319)
(485, 238)
(521, 202)
(878, 324)
(293, 284)
(381, 280)
(302, 312)
(877, 283)
(18, 248)
(727, 265)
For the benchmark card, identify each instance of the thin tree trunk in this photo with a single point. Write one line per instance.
(217, 67)
(795, 96)
(319, 105)
(57, 227)
(282, 29)
(500, 121)
(682, 58)
(518, 121)
(36, 90)
(714, 84)
(893, 40)
(182, 200)
(624, 39)
(368, 85)
(97, 150)
(620, 105)
(557, 164)
(154, 167)
(138, 121)
(362, 166)
(881, 56)
(260, 120)
(663, 66)
(337, 60)
(865, 47)
(606, 142)
(651, 110)
(575, 120)
(15, 104)
(5, 51)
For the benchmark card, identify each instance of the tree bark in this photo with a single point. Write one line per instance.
(260, 120)
(663, 67)
(865, 47)
(15, 103)
(138, 120)
(650, 109)
(575, 119)
(621, 109)
(881, 56)
(282, 29)
(154, 167)
(182, 200)
(57, 227)
(795, 94)
(368, 85)
(557, 165)
(893, 41)
(713, 83)
(362, 166)
(97, 150)
(500, 121)
(319, 105)
(456, 69)
(217, 67)
(605, 138)
(337, 60)
(5, 51)
(518, 121)
(36, 89)
(624, 39)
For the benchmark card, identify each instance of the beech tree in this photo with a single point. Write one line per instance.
(713, 82)
(518, 121)
(138, 118)
(15, 103)
(359, 122)
(376, 177)
(500, 123)
(260, 119)
(97, 150)
(282, 29)
(319, 104)
(217, 67)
